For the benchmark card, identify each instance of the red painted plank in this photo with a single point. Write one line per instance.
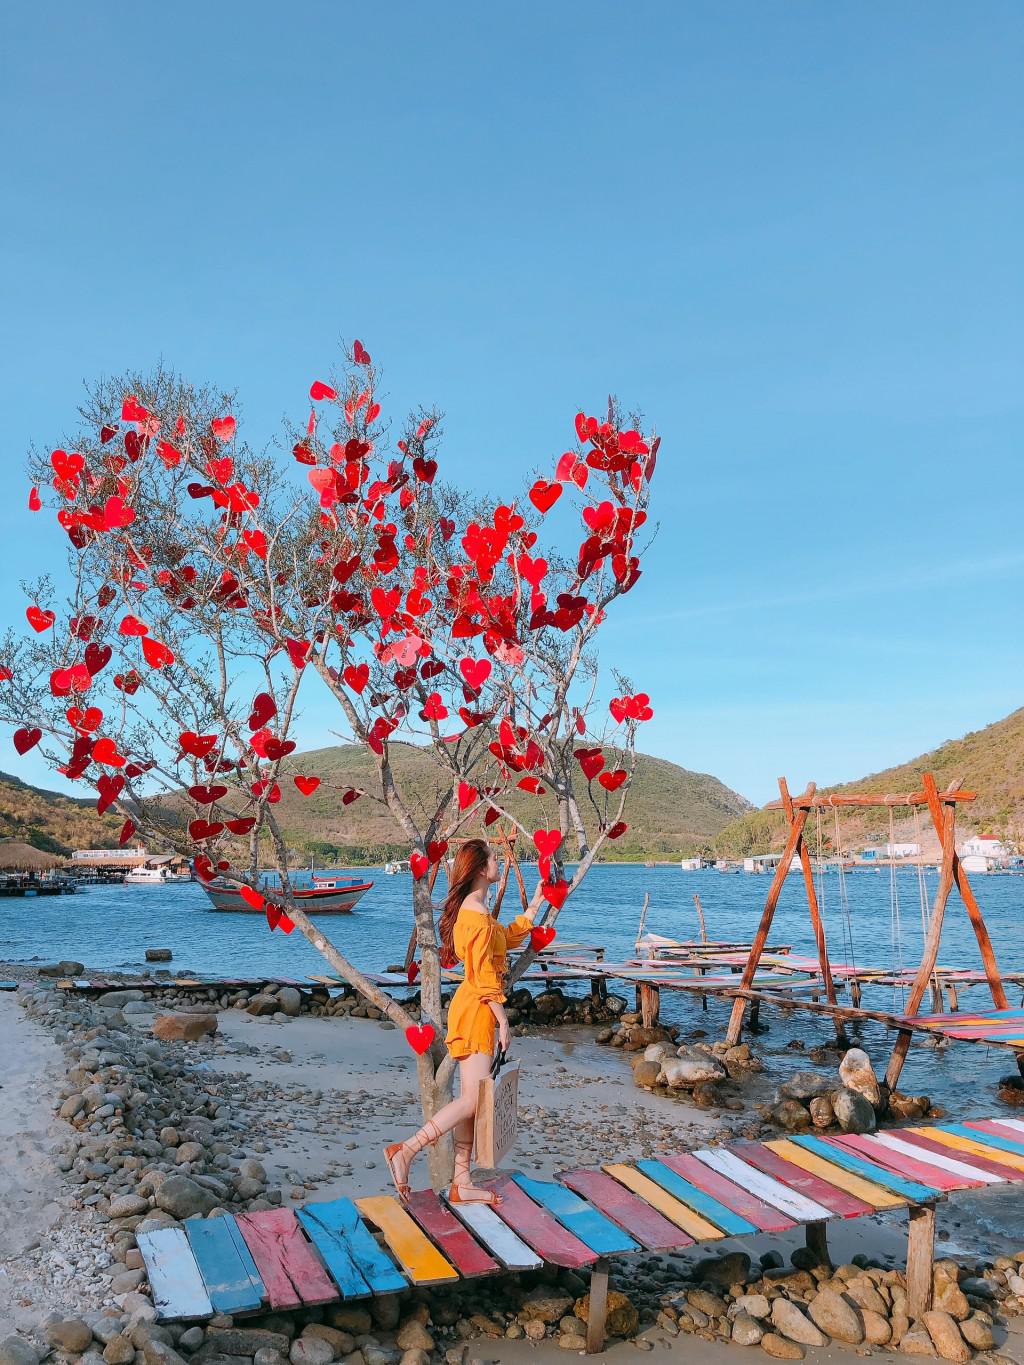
(821, 1191)
(538, 1228)
(289, 1268)
(451, 1237)
(904, 1165)
(995, 1129)
(983, 1163)
(633, 1214)
(733, 1196)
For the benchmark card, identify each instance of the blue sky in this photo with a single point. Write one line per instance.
(789, 232)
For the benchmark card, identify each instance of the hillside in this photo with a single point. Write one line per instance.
(991, 762)
(51, 821)
(671, 811)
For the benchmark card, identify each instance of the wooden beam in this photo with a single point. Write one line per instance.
(920, 1259)
(988, 957)
(867, 799)
(796, 829)
(816, 1241)
(812, 905)
(597, 1310)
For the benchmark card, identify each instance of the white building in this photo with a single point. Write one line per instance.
(984, 846)
(903, 850)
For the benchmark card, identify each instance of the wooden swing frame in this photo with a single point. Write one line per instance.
(941, 807)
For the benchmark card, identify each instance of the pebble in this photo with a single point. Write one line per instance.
(781, 1347)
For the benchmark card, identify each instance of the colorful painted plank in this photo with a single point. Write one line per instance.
(972, 1145)
(764, 1216)
(225, 1263)
(349, 1249)
(591, 1226)
(992, 1128)
(8, 985)
(912, 1191)
(174, 1279)
(497, 1237)
(911, 1167)
(290, 1272)
(987, 1136)
(538, 1228)
(659, 1198)
(763, 1181)
(450, 1236)
(415, 1252)
(647, 1225)
(689, 1194)
(874, 1195)
(895, 1142)
(1017, 1125)
(975, 1160)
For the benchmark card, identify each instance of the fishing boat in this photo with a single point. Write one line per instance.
(328, 895)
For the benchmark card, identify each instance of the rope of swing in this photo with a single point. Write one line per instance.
(895, 927)
(844, 899)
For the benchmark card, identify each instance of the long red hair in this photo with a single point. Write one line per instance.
(470, 861)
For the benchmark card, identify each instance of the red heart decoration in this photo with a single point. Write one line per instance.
(298, 652)
(127, 830)
(201, 829)
(26, 739)
(196, 745)
(419, 1037)
(109, 788)
(356, 676)
(116, 515)
(418, 864)
(618, 830)
(318, 390)
(156, 652)
(555, 893)
(40, 620)
(591, 761)
(307, 785)
(131, 625)
(105, 751)
(532, 785)
(613, 781)
(360, 355)
(264, 708)
(542, 936)
(241, 826)
(349, 796)
(436, 850)
(206, 796)
(475, 671)
(97, 656)
(467, 795)
(544, 495)
(34, 500)
(253, 897)
(546, 841)
(84, 721)
(412, 972)
(223, 428)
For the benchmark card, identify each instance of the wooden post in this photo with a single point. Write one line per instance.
(796, 829)
(700, 916)
(920, 1259)
(650, 1004)
(988, 957)
(597, 1314)
(643, 919)
(816, 1241)
(931, 947)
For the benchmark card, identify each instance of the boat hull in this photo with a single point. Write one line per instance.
(314, 901)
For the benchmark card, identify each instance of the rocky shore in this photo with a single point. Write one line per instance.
(194, 1103)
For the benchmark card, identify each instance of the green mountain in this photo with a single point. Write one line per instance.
(51, 821)
(991, 762)
(670, 811)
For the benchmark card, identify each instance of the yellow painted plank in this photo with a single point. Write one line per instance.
(962, 1144)
(856, 1185)
(420, 1259)
(692, 1223)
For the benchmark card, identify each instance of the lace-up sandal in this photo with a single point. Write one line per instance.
(461, 1190)
(425, 1137)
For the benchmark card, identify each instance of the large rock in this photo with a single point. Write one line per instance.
(245, 1341)
(647, 1074)
(792, 1323)
(690, 1065)
(946, 1338)
(657, 1052)
(17, 1351)
(854, 1113)
(836, 1317)
(69, 1334)
(806, 1085)
(128, 1205)
(781, 1347)
(310, 1351)
(746, 1331)
(183, 1028)
(904, 1107)
(977, 1331)
(289, 1000)
(754, 1305)
(181, 1197)
(623, 1318)
(158, 954)
(263, 1004)
(544, 1304)
(857, 1073)
(791, 1115)
(877, 1331)
(113, 1000)
(731, 1269)
(822, 1113)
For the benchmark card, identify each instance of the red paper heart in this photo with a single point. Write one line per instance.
(206, 796)
(412, 972)
(110, 788)
(356, 676)
(97, 656)
(307, 785)
(419, 1037)
(360, 355)
(105, 751)
(131, 625)
(467, 795)
(617, 830)
(127, 830)
(253, 897)
(201, 829)
(26, 739)
(555, 893)
(116, 515)
(418, 864)
(155, 652)
(436, 849)
(546, 841)
(264, 708)
(475, 671)
(298, 652)
(84, 721)
(318, 390)
(40, 620)
(34, 500)
(613, 781)
(591, 761)
(544, 495)
(223, 428)
(241, 826)
(542, 936)
(196, 745)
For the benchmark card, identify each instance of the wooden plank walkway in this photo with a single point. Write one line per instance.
(349, 1249)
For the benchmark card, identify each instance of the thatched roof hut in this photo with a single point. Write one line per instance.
(16, 856)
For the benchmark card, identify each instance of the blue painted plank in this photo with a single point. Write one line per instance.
(909, 1189)
(694, 1198)
(174, 1279)
(225, 1263)
(595, 1230)
(1004, 1144)
(349, 1249)
(8, 985)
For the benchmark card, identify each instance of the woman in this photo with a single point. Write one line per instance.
(471, 933)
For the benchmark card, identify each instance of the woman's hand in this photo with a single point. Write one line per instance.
(536, 901)
(504, 1035)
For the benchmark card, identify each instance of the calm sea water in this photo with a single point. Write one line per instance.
(111, 927)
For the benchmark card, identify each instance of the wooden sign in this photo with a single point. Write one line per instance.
(497, 1116)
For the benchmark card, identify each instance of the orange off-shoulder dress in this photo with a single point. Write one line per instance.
(482, 943)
